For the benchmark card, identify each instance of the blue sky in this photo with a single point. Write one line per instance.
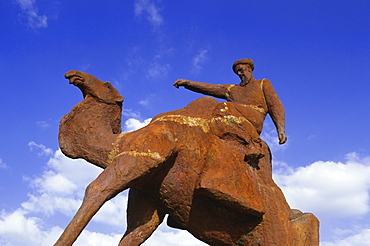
(316, 53)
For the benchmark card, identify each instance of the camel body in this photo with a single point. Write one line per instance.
(204, 165)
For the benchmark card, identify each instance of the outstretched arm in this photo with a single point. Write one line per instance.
(219, 91)
(275, 109)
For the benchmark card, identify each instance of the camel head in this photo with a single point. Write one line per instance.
(93, 87)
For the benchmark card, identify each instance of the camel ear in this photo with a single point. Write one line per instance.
(119, 98)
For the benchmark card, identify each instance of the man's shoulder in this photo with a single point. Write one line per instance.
(265, 82)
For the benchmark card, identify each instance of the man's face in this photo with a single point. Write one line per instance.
(244, 72)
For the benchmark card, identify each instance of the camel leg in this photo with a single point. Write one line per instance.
(307, 227)
(114, 179)
(142, 219)
(118, 176)
(97, 193)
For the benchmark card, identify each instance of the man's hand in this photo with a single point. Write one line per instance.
(180, 82)
(282, 137)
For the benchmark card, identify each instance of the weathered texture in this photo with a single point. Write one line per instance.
(204, 165)
(89, 129)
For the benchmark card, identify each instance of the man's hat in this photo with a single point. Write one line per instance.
(244, 61)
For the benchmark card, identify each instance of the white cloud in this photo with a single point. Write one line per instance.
(55, 183)
(60, 187)
(360, 239)
(77, 171)
(18, 229)
(58, 190)
(153, 13)
(329, 189)
(338, 193)
(199, 60)
(97, 239)
(42, 149)
(176, 238)
(30, 13)
(48, 205)
(134, 124)
(129, 113)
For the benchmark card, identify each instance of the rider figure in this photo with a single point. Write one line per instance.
(257, 96)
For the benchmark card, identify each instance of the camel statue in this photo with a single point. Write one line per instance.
(204, 165)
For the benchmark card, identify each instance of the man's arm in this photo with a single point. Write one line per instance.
(275, 109)
(219, 91)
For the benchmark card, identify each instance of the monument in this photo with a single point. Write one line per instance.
(204, 165)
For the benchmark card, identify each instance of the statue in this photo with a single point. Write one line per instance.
(204, 165)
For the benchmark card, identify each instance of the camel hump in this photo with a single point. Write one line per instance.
(199, 108)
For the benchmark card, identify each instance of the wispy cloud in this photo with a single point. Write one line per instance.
(146, 7)
(43, 124)
(84, 67)
(157, 70)
(129, 113)
(199, 60)
(30, 14)
(144, 102)
(43, 150)
(2, 164)
(155, 67)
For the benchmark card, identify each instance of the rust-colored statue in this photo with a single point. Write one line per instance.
(204, 165)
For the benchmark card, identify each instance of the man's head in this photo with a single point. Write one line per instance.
(243, 68)
(243, 61)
